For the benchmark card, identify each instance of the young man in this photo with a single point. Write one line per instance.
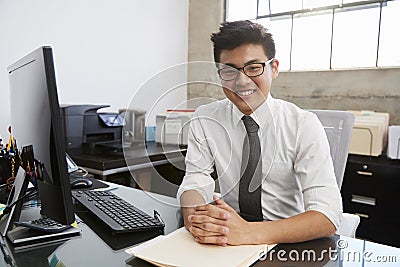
(296, 197)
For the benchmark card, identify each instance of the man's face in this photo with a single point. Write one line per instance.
(248, 93)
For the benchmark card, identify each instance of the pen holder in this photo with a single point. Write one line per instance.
(9, 165)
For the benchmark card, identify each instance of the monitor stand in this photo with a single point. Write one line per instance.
(17, 192)
(21, 237)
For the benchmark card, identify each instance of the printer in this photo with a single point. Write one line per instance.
(88, 131)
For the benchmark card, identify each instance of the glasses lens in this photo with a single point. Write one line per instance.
(254, 69)
(228, 73)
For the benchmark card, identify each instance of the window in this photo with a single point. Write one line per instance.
(311, 48)
(327, 34)
(282, 37)
(238, 9)
(389, 45)
(355, 38)
(284, 5)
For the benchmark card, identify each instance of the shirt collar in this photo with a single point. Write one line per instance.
(260, 115)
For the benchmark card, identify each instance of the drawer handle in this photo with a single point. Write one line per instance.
(362, 215)
(364, 173)
(363, 200)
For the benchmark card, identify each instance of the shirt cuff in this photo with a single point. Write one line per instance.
(331, 207)
(203, 184)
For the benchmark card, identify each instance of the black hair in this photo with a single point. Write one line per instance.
(234, 34)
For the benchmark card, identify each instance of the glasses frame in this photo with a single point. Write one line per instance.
(243, 70)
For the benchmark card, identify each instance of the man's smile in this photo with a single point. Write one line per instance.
(245, 92)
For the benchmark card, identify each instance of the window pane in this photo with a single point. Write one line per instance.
(355, 38)
(278, 6)
(239, 9)
(389, 46)
(280, 30)
(320, 3)
(311, 41)
(263, 7)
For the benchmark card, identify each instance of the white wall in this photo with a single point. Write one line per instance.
(103, 50)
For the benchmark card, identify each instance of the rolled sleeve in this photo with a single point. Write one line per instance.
(199, 163)
(204, 185)
(316, 173)
(330, 205)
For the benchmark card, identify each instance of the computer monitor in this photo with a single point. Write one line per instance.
(36, 121)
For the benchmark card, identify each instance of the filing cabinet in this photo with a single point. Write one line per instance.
(371, 189)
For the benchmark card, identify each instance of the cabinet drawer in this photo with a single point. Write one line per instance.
(380, 232)
(360, 181)
(362, 210)
(371, 189)
(372, 169)
(365, 228)
(366, 206)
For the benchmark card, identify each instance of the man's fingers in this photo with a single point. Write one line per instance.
(226, 207)
(198, 232)
(203, 217)
(216, 240)
(217, 199)
(220, 203)
(208, 229)
(214, 213)
(205, 207)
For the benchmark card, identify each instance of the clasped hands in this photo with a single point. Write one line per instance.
(219, 224)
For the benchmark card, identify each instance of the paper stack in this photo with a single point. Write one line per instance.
(393, 151)
(370, 131)
(180, 249)
(173, 127)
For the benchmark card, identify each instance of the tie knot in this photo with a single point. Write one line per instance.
(250, 124)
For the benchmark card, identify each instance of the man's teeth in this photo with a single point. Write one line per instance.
(245, 93)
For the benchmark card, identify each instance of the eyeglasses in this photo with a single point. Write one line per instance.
(251, 70)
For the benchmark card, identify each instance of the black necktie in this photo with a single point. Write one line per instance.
(250, 182)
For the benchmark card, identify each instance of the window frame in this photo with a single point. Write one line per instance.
(334, 8)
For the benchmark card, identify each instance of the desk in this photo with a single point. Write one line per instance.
(90, 250)
(145, 165)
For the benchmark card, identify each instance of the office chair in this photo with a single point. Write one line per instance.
(338, 127)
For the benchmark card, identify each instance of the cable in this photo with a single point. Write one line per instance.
(6, 184)
(6, 253)
(85, 172)
(8, 208)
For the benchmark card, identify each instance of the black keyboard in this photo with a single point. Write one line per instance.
(45, 225)
(116, 213)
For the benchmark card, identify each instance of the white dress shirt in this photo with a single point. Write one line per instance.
(297, 168)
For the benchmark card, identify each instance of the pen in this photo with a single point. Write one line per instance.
(6, 253)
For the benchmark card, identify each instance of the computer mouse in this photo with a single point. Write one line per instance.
(79, 183)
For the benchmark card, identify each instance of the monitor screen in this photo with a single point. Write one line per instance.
(36, 121)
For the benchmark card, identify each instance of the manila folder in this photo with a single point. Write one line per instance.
(180, 249)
